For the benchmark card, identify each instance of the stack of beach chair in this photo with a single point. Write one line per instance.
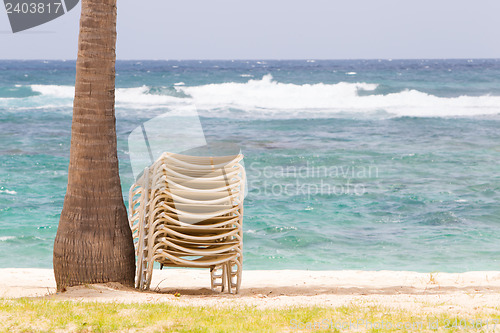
(187, 211)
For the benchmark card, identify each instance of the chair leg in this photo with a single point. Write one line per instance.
(139, 272)
(149, 273)
(143, 275)
(234, 269)
(217, 278)
(141, 266)
(227, 271)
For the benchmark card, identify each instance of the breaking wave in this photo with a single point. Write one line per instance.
(267, 98)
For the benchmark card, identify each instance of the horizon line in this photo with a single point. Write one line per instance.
(269, 59)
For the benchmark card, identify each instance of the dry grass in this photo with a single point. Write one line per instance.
(28, 315)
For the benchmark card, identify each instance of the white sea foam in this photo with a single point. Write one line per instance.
(141, 98)
(267, 98)
(54, 90)
(8, 192)
(271, 95)
(5, 238)
(56, 96)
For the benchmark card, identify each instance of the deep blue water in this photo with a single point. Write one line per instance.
(365, 164)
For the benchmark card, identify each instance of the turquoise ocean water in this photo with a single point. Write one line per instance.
(369, 164)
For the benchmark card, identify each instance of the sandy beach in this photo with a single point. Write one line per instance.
(460, 293)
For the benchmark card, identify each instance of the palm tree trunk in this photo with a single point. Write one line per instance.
(94, 242)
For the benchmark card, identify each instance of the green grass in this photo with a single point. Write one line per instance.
(28, 315)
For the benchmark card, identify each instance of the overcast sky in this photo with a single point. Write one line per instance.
(277, 29)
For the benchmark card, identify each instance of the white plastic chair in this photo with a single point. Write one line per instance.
(187, 211)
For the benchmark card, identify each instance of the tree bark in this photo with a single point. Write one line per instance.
(94, 241)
